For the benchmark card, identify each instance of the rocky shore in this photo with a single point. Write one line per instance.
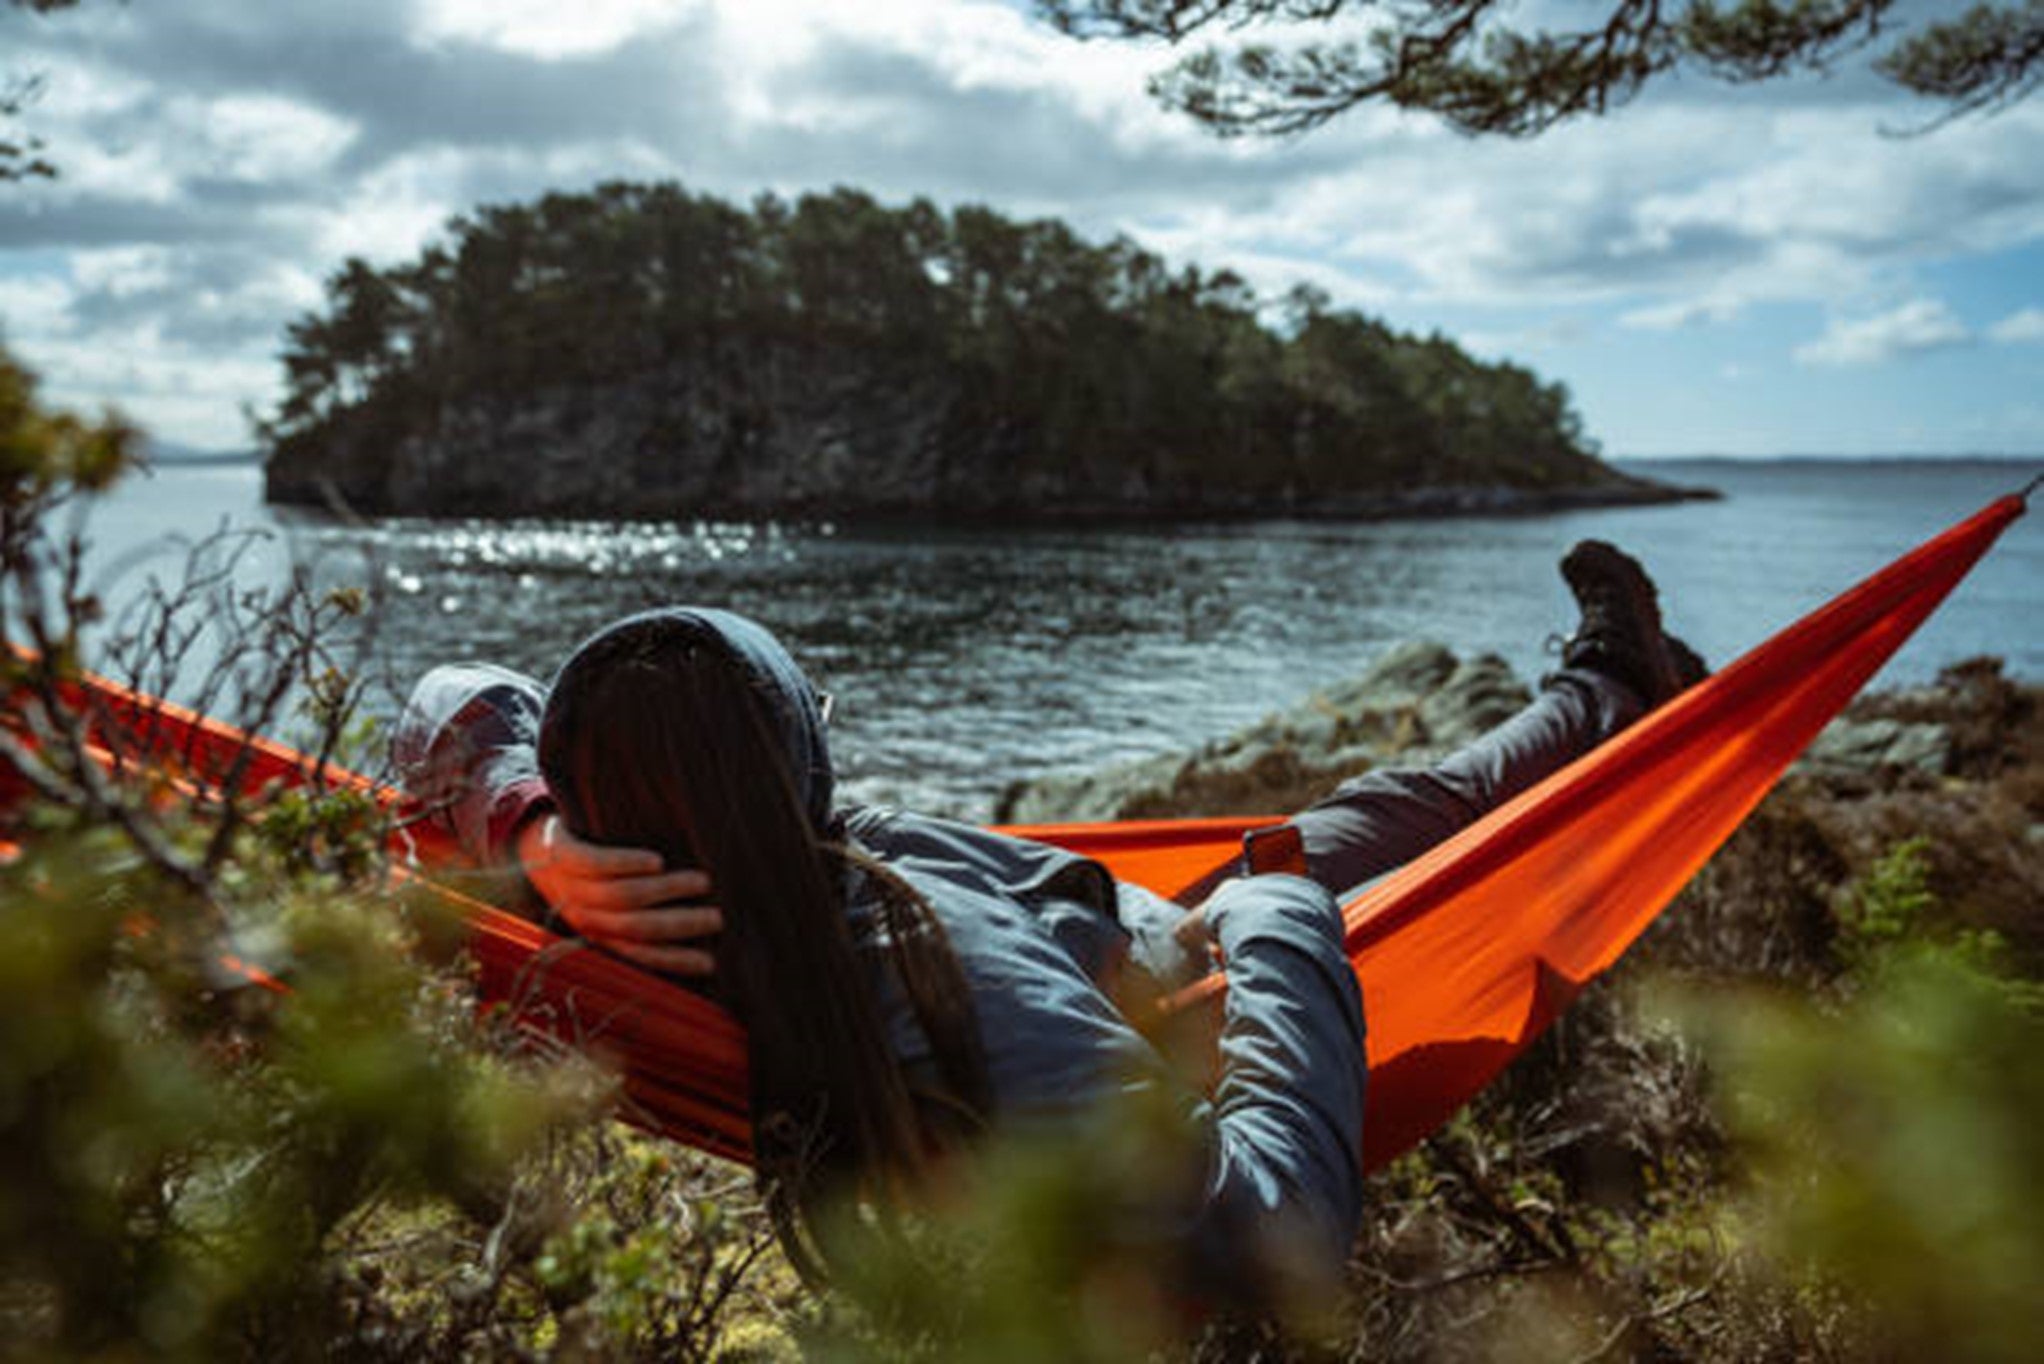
(1960, 760)
(1419, 700)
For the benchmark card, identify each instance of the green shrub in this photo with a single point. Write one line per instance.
(200, 1163)
(1892, 1141)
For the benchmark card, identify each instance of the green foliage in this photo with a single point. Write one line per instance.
(655, 1256)
(1054, 1245)
(1889, 903)
(1896, 1149)
(46, 455)
(48, 461)
(1893, 1143)
(248, 1109)
(181, 1145)
(975, 1278)
(1487, 67)
(1093, 368)
(1890, 919)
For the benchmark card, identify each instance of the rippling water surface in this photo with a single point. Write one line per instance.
(963, 660)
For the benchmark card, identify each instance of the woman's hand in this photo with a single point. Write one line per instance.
(1194, 933)
(615, 896)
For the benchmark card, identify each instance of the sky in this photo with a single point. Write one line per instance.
(1758, 270)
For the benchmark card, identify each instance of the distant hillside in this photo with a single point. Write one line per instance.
(643, 352)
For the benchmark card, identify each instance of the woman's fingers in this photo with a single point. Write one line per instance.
(622, 898)
(660, 926)
(675, 961)
(636, 892)
(652, 938)
(570, 872)
(599, 860)
(548, 843)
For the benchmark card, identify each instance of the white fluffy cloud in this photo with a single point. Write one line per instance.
(1923, 324)
(541, 28)
(2027, 325)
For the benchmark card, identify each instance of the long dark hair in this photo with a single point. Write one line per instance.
(659, 735)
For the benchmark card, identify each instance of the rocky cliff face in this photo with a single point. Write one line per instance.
(776, 436)
(797, 433)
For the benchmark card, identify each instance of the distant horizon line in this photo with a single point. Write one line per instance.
(1961, 457)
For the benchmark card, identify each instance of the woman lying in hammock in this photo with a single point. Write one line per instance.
(907, 983)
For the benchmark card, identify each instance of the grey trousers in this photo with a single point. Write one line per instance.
(1379, 821)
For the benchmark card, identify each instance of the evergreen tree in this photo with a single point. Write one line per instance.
(1099, 373)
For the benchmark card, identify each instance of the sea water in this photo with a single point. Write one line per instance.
(963, 659)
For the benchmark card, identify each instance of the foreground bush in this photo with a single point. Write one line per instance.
(247, 1107)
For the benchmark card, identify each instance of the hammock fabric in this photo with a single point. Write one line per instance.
(1464, 956)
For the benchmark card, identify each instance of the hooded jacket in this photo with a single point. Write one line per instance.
(1058, 955)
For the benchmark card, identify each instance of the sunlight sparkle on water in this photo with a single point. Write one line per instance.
(966, 657)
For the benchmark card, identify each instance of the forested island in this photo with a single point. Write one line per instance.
(641, 351)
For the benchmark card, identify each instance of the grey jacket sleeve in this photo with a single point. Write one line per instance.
(1072, 896)
(1284, 1175)
(466, 747)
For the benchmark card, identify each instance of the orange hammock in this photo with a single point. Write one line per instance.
(1464, 956)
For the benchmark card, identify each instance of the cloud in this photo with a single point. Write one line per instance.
(1918, 326)
(243, 151)
(32, 306)
(229, 298)
(1681, 213)
(542, 28)
(1680, 315)
(400, 88)
(2027, 325)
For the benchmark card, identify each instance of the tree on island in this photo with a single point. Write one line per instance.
(1487, 66)
(702, 355)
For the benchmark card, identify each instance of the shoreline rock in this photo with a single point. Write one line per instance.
(1418, 701)
(320, 497)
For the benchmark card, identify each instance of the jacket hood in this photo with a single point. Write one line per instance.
(790, 702)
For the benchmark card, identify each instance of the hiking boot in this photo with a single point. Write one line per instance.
(1620, 634)
(1690, 668)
